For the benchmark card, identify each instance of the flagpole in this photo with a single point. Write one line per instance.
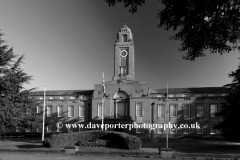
(43, 113)
(103, 99)
(167, 118)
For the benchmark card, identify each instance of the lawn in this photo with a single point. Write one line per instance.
(183, 145)
(36, 144)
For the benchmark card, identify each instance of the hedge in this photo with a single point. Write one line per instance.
(96, 138)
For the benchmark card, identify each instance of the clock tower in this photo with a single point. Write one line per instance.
(124, 55)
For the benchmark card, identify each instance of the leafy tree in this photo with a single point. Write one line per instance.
(230, 110)
(16, 108)
(200, 24)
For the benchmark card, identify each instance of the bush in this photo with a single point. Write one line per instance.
(97, 143)
(96, 138)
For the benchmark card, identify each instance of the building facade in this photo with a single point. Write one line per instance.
(128, 101)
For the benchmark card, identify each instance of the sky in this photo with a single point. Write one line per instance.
(69, 43)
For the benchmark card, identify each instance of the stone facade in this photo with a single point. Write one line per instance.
(127, 101)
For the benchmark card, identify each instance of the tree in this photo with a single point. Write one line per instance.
(201, 25)
(16, 108)
(230, 110)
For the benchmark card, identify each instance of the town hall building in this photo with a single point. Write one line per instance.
(129, 101)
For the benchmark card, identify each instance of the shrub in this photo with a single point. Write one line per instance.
(97, 143)
(95, 138)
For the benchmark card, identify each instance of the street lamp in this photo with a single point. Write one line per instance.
(168, 119)
(44, 103)
(103, 99)
(152, 104)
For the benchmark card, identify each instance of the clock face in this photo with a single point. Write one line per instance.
(123, 53)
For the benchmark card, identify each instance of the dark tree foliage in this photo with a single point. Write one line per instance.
(230, 111)
(17, 109)
(200, 24)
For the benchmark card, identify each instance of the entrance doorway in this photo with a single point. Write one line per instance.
(121, 104)
(121, 109)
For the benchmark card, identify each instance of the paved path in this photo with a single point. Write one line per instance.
(64, 157)
(186, 147)
(196, 146)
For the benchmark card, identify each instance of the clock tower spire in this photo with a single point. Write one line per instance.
(124, 55)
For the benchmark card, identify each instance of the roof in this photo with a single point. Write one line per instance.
(62, 92)
(152, 91)
(192, 90)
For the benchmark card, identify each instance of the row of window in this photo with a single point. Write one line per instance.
(173, 109)
(49, 128)
(182, 130)
(189, 99)
(184, 95)
(61, 98)
(70, 111)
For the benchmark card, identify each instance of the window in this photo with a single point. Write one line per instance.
(161, 110)
(60, 111)
(160, 130)
(173, 130)
(81, 111)
(71, 97)
(224, 95)
(51, 97)
(210, 95)
(186, 110)
(173, 110)
(184, 95)
(123, 61)
(200, 130)
(139, 129)
(199, 110)
(40, 97)
(61, 97)
(186, 130)
(49, 111)
(171, 95)
(39, 109)
(212, 131)
(99, 109)
(124, 38)
(213, 110)
(139, 109)
(39, 129)
(123, 71)
(70, 111)
(49, 128)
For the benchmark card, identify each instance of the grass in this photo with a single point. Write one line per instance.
(36, 144)
(183, 145)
